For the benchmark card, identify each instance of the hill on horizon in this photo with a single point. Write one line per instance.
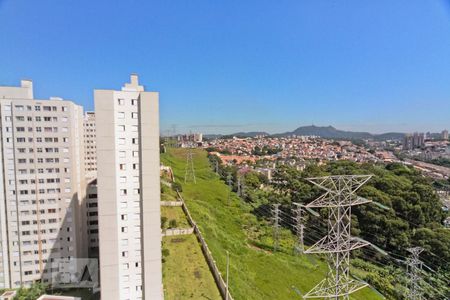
(327, 132)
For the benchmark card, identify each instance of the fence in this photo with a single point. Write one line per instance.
(221, 284)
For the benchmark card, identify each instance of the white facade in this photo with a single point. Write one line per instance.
(41, 185)
(90, 147)
(127, 128)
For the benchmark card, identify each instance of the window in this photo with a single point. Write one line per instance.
(133, 101)
(122, 154)
(134, 115)
(37, 108)
(122, 167)
(121, 128)
(121, 141)
(123, 192)
(64, 108)
(121, 101)
(121, 115)
(134, 141)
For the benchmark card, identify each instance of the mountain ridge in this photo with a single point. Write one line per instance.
(327, 132)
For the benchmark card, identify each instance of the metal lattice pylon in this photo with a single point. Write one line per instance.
(276, 226)
(338, 243)
(414, 268)
(189, 174)
(299, 217)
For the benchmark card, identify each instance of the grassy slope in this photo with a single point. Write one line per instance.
(254, 273)
(185, 272)
(174, 213)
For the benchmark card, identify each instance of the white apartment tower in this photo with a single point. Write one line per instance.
(90, 148)
(41, 185)
(127, 125)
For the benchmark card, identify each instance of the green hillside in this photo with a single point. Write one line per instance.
(255, 271)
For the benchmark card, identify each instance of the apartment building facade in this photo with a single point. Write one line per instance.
(90, 147)
(127, 129)
(42, 185)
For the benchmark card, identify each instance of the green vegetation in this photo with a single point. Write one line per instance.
(38, 289)
(176, 214)
(185, 272)
(265, 151)
(414, 219)
(168, 193)
(256, 272)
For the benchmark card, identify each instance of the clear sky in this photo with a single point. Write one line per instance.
(227, 66)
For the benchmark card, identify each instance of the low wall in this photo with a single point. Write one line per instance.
(177, 231)
(171, 203)
(221, 284)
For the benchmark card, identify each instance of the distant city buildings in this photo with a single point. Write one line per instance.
(444, 135)
(189, 140)
(128, 187)
(413, 141)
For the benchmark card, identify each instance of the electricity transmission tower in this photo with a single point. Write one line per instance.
(414, 270)
(339, 198)
(299, 218)
(189, 174)
(276, 226)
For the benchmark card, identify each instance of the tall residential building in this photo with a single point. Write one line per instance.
(92, 218)
(90, 148)
(413, 141)
(127, 123)
(41, 185)
(444, 135)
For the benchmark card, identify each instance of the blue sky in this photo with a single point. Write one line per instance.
(227, 66)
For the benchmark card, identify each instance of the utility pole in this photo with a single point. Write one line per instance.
(228, 273)
(229, 179)
(239, 186)
(299, 218)
(189, 171)
(276, 226)
(339, 198)
(414, 270)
